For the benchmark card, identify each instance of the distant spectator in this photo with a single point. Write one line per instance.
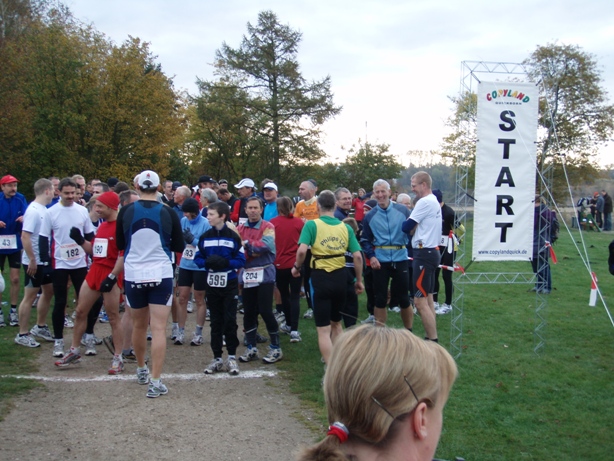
(607, 211)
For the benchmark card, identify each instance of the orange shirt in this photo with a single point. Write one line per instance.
(307, 210)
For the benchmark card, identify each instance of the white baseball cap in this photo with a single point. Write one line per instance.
(245, 182)
(148, 180)
(270, 185)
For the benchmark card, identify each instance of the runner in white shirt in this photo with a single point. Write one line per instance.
(37, 274)
(69, 259)
(425, 225)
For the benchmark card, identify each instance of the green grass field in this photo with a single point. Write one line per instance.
(508, 403)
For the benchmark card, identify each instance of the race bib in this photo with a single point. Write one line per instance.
(189, 252)
(100, 248)
(217, 279)
(8, 242)
(253, 276)
(443, 241)
(70, 252)
(242, 221)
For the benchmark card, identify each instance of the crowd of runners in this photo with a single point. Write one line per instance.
(138, 254)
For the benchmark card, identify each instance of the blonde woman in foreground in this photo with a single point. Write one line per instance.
(385, 390)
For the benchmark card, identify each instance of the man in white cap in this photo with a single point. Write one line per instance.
(245, 188)
(270, 201)
(149, 232)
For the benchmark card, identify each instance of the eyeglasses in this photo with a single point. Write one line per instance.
(428, 402)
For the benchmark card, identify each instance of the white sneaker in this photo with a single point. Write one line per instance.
(308, 314)
(174, 332)
(90, 346)
(191, 305)
(197, 340)
(274, 355)
(443, 309)
(295, 337)
(251, 353)
(396, 309)
(58, 348)
(68, 323)
(26, 340)
(370, 319)
(41, 332)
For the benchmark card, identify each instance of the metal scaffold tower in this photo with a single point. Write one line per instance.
(471, 75)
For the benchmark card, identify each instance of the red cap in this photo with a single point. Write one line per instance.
(110, 199)
(8, 179)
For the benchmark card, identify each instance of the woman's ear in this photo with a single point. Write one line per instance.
(418, 420)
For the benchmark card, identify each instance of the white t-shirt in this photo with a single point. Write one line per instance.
(427, 214)
(35, 218)
(66, 253)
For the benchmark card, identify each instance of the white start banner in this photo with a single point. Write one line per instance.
(505, 171)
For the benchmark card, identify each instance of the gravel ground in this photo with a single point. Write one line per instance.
(83, 413)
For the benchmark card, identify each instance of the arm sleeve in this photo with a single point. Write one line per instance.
(177, 241)
(408, 225)
(238, 255)
(119, 230)
(367, 238)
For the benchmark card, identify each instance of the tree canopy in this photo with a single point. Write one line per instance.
(261, 114)
(73, 102)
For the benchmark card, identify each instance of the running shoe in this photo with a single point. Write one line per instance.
(232, 366)
(103, 317)
(308, 314)
(154, 391)
(149, 336)
(130, 357)
(174, 332)
(13, 319)
(370, 319)
(197, 340)
(68, 323)
(96, 339)
(179, 339)
(280, 317)
(108, 341)
(142, 376)
(42, 332)
(117, 365)
(396, 309)
(58, 348)
(208, 316)
(215, 366)
(90, 347)
(295, 337)
(73, 356)
(251, 353)
(436, 305)
(35, 302)
(274, 355)
(284, 328)
(2, 324)
(26, 340)
(191, 305)
(443, 309)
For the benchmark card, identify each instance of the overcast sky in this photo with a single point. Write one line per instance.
(393, 63)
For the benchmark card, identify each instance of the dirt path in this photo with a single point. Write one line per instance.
(82, 413)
